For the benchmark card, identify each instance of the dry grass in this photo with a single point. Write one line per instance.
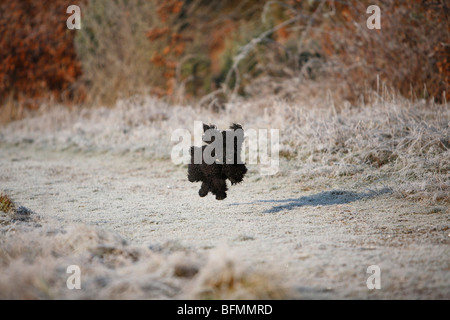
(10, 111)
(9, 212)
(389, 140)
(113, 50)
(34, 257)
(225, 278)
(6, 204)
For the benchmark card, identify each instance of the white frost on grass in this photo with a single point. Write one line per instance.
(35, 255)
(403, 144)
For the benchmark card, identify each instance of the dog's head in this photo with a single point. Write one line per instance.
(210, 132)
(232, 140)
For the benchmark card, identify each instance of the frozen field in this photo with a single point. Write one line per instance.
(108, 198)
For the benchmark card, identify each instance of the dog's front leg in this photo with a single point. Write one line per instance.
(204, 189)
(219, 188)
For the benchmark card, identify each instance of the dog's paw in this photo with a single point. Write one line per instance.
(221, 196)
(204, 189)
(203, 193)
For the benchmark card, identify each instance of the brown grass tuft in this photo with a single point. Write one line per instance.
(224, 278)
(6, 203)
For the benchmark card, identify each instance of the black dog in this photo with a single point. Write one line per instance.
(223, 163)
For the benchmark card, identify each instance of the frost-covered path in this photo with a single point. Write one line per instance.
(320, 240)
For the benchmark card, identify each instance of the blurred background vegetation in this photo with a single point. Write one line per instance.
(207, 52)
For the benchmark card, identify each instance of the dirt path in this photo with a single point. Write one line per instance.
(320, 240)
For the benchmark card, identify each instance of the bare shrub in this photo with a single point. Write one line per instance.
(113, 50)
(319, 40)
(409, 53)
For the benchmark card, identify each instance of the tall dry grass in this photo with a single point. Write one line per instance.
(388, 139)
(113, 50)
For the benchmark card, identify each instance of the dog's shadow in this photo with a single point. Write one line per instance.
(325, 198)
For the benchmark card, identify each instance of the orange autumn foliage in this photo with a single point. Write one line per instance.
(37, 51)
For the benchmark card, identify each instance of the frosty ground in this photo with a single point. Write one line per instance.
(138, 228)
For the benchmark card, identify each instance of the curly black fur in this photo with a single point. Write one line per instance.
(213, 176)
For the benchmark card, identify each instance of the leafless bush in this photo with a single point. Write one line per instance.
(409, 53)
(114, 51)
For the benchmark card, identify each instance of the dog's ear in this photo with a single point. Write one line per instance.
(235, 126)
(208, 126)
